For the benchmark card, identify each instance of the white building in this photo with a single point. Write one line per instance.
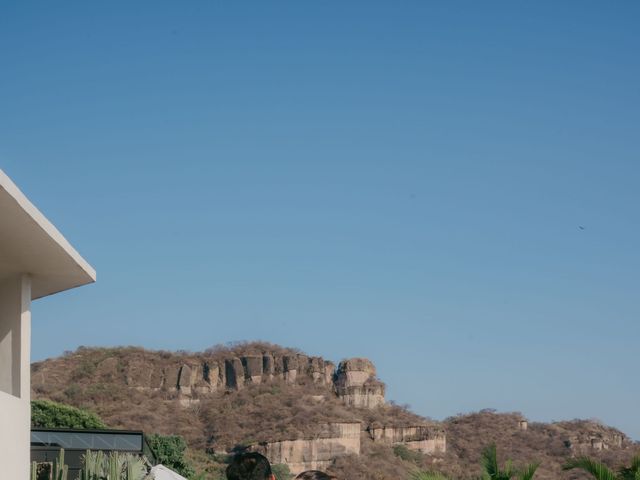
(35, 261)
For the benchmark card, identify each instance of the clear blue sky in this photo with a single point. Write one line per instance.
(404, 181)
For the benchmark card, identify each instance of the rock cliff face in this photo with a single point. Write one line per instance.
(357, 385)
(354, 381)
(351, 395)
(421, 438)
(303, 411)
(335, 440)
(596, 439)
(199, 375)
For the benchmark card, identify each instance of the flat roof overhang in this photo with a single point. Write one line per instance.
(30, 244)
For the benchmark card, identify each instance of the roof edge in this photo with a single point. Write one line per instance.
(30, 209)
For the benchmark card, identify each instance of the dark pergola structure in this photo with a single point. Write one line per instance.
(47, 442)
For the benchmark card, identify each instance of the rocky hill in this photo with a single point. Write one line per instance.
(303, 411)
(517, 438)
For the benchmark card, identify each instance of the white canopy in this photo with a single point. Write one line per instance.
(160, 472)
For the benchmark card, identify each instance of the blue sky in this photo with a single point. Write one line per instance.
(450, 189)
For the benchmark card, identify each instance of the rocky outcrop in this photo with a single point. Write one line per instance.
(338, 439)
(253, 393)
(422, 438)
(290, 368)
(594, 441)
(335, 440)
(268, 367)
(184, 379)
(191, 376)
(210, 378)
(234, 373)
(357, 385)
(253, 367)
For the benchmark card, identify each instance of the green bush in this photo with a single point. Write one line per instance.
(48, 414)
(169, 451)
(407, 455)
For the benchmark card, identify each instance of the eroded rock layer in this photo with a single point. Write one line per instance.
(357, 385)
(354, 381)
(336, 440)
(316, 412)
(421, 438)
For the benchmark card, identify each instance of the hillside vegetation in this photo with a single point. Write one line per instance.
(220, 421)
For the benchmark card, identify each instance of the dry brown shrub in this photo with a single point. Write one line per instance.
(278, 411)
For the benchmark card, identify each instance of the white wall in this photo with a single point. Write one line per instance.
(15, 408)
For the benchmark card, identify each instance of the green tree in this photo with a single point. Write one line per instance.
(601, 472)
(48, 414)
(170, 452)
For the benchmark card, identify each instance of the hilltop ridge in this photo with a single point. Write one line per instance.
(307, 412)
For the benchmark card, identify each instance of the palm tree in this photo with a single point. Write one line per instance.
(633, 472)
(492, 470)
(601, 472)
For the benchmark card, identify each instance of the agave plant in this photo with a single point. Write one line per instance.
(492, 470)
(92, 465)
(115, 466)
(601, 472)
(135, 468)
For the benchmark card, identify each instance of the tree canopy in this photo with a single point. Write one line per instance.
(169, 451)
(48, 414)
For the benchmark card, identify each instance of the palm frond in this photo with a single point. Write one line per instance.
(422, 475)
(633, 471)
(490, 461)
(508, 471)
(599, 470)
(528, 472)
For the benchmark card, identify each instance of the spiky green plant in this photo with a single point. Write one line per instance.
(492, 470)
(633, 471)
(135, 467)
(529, 471)
(422, 475)
(60, 470)
(601, 472)
(93, 466)
(113, 466)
